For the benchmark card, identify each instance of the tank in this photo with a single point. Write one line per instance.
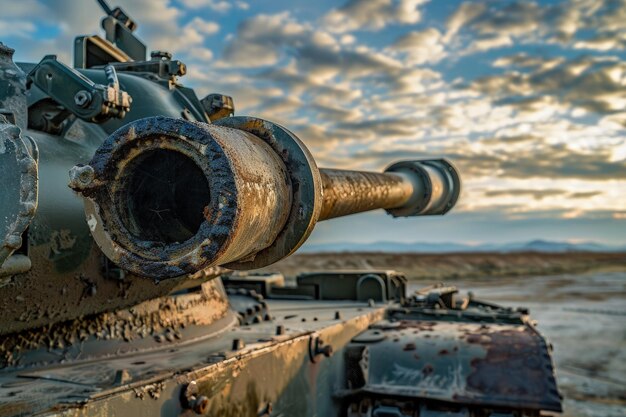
(133, 216)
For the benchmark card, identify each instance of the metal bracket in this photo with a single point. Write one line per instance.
(79, 95)
(218, 106)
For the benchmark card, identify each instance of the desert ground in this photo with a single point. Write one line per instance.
(578, 299)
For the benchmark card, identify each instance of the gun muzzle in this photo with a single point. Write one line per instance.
(167, 197)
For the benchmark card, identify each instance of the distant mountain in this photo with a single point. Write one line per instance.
(424, 247)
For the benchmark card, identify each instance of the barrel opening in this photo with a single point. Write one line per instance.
(163, 197)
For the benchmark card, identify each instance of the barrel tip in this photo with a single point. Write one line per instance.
(436, 187)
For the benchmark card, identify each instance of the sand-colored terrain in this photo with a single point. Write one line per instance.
(457, 266)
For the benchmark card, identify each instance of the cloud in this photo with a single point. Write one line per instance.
(203, 26)
(17, 28)
(603, 42)
(421, 47)
(259, 40)
(534, 193)
(541, 160)
(524, 60)
(372, 15)
(465, 13)
(299, 82)
(159, 25)
(22, 9)
(596, 84)
(555, 161)
(585, 194)
(268, 40)
(220, 6)
(494, 25)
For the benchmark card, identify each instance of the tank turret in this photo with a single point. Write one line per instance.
(166, 197)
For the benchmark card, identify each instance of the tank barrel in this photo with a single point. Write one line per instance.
(408, 188)
(167, 197)
(349, 192)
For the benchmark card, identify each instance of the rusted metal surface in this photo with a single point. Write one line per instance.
(69, 277)
(348, 192)
(269, 370)
(407, 188)
(498, 365)
(161, 321)
(242, 208)
(306, 188)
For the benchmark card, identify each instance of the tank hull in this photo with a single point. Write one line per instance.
(294, 355)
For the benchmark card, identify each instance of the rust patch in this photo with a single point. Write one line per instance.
(162, 319)
(522, 351)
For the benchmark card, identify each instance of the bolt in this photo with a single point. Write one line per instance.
(82, 98)
(81, 176)
(326, 350)
(200, 405)
(321, 349)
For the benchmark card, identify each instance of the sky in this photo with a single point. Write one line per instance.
(528, 99)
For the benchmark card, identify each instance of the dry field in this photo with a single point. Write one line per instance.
(457, 266)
